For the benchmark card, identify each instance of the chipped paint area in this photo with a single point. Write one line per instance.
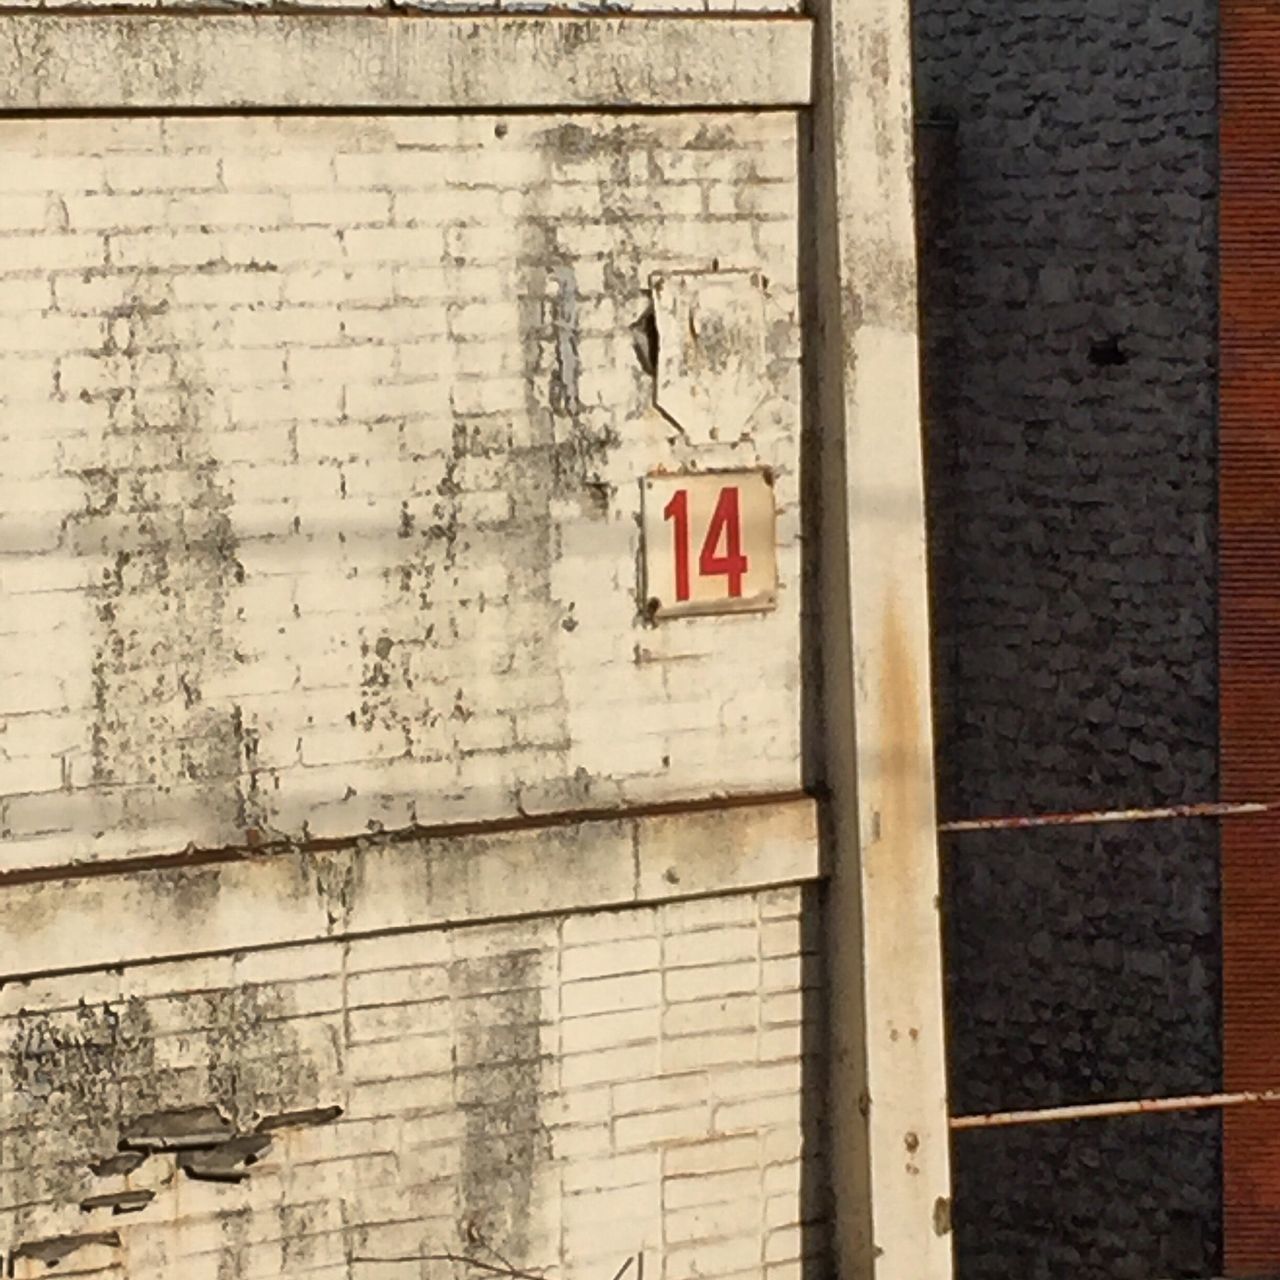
(711, 371)
(559, 1095)
(323, 441)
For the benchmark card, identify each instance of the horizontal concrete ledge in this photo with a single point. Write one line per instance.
(286, 898)
(52, 62)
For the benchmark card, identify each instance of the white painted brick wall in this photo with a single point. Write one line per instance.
(561, 1094)
(323, 442)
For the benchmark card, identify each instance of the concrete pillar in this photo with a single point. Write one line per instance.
(887, 1074)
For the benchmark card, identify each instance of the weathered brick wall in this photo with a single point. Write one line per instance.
(320, 522)
(556, 1095)
(323, 443)
(1069, 305)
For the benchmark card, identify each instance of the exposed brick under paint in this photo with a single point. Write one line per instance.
(1068, 214)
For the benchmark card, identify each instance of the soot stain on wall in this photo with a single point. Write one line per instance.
(552, 448)
(497, 1004)
(158, 519)
(72, 1075)
(255, 1064)
(77, 1077)
(1067, 183)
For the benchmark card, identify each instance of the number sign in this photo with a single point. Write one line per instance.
(709, 543)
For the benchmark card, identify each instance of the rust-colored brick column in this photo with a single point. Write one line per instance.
(1250, 620)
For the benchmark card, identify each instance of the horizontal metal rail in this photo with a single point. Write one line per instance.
(1095, 817)
(1101, 1110)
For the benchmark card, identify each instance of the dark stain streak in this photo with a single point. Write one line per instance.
(497, 1003)
(252, 1041)
(942, 1216)
(157, 515)
(78, 1071)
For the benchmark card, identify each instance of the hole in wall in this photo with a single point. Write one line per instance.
(1107, 353)
(644, 338)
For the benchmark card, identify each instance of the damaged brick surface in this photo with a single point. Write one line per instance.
(320, 522)
(324, 442)
(37, 1256)
(1068, 170)
(555, 1096)
(177, 1130)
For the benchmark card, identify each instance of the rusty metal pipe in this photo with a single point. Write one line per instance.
(1101, 1110)
(1096, 816)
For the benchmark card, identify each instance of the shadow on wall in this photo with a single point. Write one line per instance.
(815, 1189)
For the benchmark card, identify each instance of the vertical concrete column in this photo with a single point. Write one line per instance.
(887, 1072)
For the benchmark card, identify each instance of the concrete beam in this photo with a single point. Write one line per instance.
(155, 63)
(381, 885)
(888, 1104)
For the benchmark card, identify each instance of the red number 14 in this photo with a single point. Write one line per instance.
(721, 554)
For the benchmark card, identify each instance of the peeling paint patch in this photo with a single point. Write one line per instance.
(228, 1161)
(299, 1119)
(118, 1201)
(711, 334)
(57, 1249)
(176, 1130)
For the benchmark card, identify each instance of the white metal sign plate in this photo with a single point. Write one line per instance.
(709, 543)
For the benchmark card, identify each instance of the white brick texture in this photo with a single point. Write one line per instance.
(530, 1096)
(323, 444)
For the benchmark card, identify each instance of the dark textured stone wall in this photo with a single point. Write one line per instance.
(1069, 300)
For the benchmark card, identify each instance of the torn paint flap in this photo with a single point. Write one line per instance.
(228, 1162)
(55, 1249)
(119, 1201)
(711, 373)
(177, 1130)
(298, 1119)
(117, 1165)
